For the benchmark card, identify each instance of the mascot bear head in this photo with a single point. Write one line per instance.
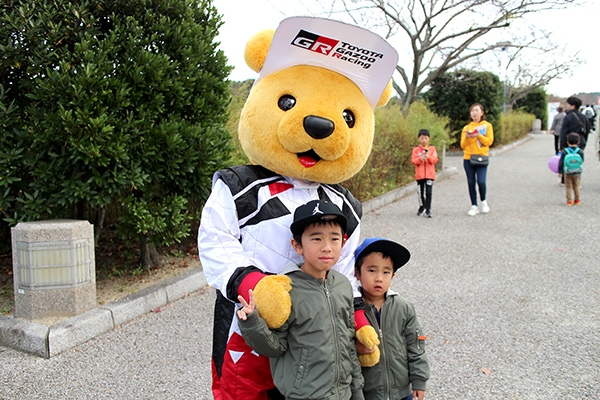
(310, 114)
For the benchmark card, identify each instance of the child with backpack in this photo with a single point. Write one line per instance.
(570, 164)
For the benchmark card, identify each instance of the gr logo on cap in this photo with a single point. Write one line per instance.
(360, 55)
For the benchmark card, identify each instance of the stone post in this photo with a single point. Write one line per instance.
(54, 270)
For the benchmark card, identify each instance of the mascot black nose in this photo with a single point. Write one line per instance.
(318, 127)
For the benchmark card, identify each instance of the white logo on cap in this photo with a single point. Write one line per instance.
(316, 210)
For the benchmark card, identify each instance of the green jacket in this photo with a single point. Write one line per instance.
(313, 355)
(403, 365)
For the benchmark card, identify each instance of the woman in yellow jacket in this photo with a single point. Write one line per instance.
(475, 140)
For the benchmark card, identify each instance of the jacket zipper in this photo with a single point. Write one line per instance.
(383, 354)
(335, 337)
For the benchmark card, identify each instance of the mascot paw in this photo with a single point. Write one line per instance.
(368, 360)
(369, 338)
(272, 299)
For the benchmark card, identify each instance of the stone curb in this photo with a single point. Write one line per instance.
(48, 341)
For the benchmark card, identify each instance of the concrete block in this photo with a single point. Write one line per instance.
(54, 269)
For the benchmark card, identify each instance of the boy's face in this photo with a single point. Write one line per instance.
(424, 140)
(321, 247)
(375, 275)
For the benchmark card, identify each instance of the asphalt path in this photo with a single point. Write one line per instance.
(510, 300)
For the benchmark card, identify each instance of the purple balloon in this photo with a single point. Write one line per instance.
(553, 163)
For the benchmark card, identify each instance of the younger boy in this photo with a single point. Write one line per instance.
(403, 370)
(313, 355)
(570, 164)
(424, 157)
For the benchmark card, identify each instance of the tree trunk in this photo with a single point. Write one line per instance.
(148, 255)
(99, 225)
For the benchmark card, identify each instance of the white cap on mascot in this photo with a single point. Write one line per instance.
(360, 55)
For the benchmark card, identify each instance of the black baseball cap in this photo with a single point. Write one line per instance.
(423, 132)
(399, 254)
(317, 210)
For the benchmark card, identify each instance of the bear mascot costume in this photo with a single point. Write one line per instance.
(307, 125)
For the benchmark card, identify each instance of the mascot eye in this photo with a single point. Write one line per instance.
(286, 102)
(349, 118)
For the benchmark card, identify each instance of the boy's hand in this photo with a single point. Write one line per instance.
(247, 307)
(418, 394)
(362, 349)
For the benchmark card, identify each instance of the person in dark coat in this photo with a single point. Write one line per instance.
(576, 122)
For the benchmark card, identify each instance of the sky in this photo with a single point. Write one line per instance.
(244, 18)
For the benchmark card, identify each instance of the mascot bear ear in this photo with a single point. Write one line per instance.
(386, 95)
(257, 48)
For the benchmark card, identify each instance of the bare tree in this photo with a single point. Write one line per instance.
(439, 35)
(525, 73)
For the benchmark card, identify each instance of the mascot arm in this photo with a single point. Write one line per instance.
(219, 245)
(366, 334)
(226, 266)
(271, 296)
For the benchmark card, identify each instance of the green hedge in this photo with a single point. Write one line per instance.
(513, 126)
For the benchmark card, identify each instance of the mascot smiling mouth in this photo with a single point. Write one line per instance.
(309, 158)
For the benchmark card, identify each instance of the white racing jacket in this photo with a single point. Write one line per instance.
(246, 222)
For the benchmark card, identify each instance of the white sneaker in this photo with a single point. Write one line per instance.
(473, 211)
(484, 207)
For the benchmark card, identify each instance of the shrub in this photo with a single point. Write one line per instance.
(536, 103)
(514, 126)
(112, 105)
(389, 166)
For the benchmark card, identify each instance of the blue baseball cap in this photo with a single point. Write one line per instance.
(399, 254)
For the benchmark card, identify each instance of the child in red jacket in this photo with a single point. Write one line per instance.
(424, 157)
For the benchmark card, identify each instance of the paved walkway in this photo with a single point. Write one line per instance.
(509, 300)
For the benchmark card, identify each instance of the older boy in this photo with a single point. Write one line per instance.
(312, 355)
(403, 370)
